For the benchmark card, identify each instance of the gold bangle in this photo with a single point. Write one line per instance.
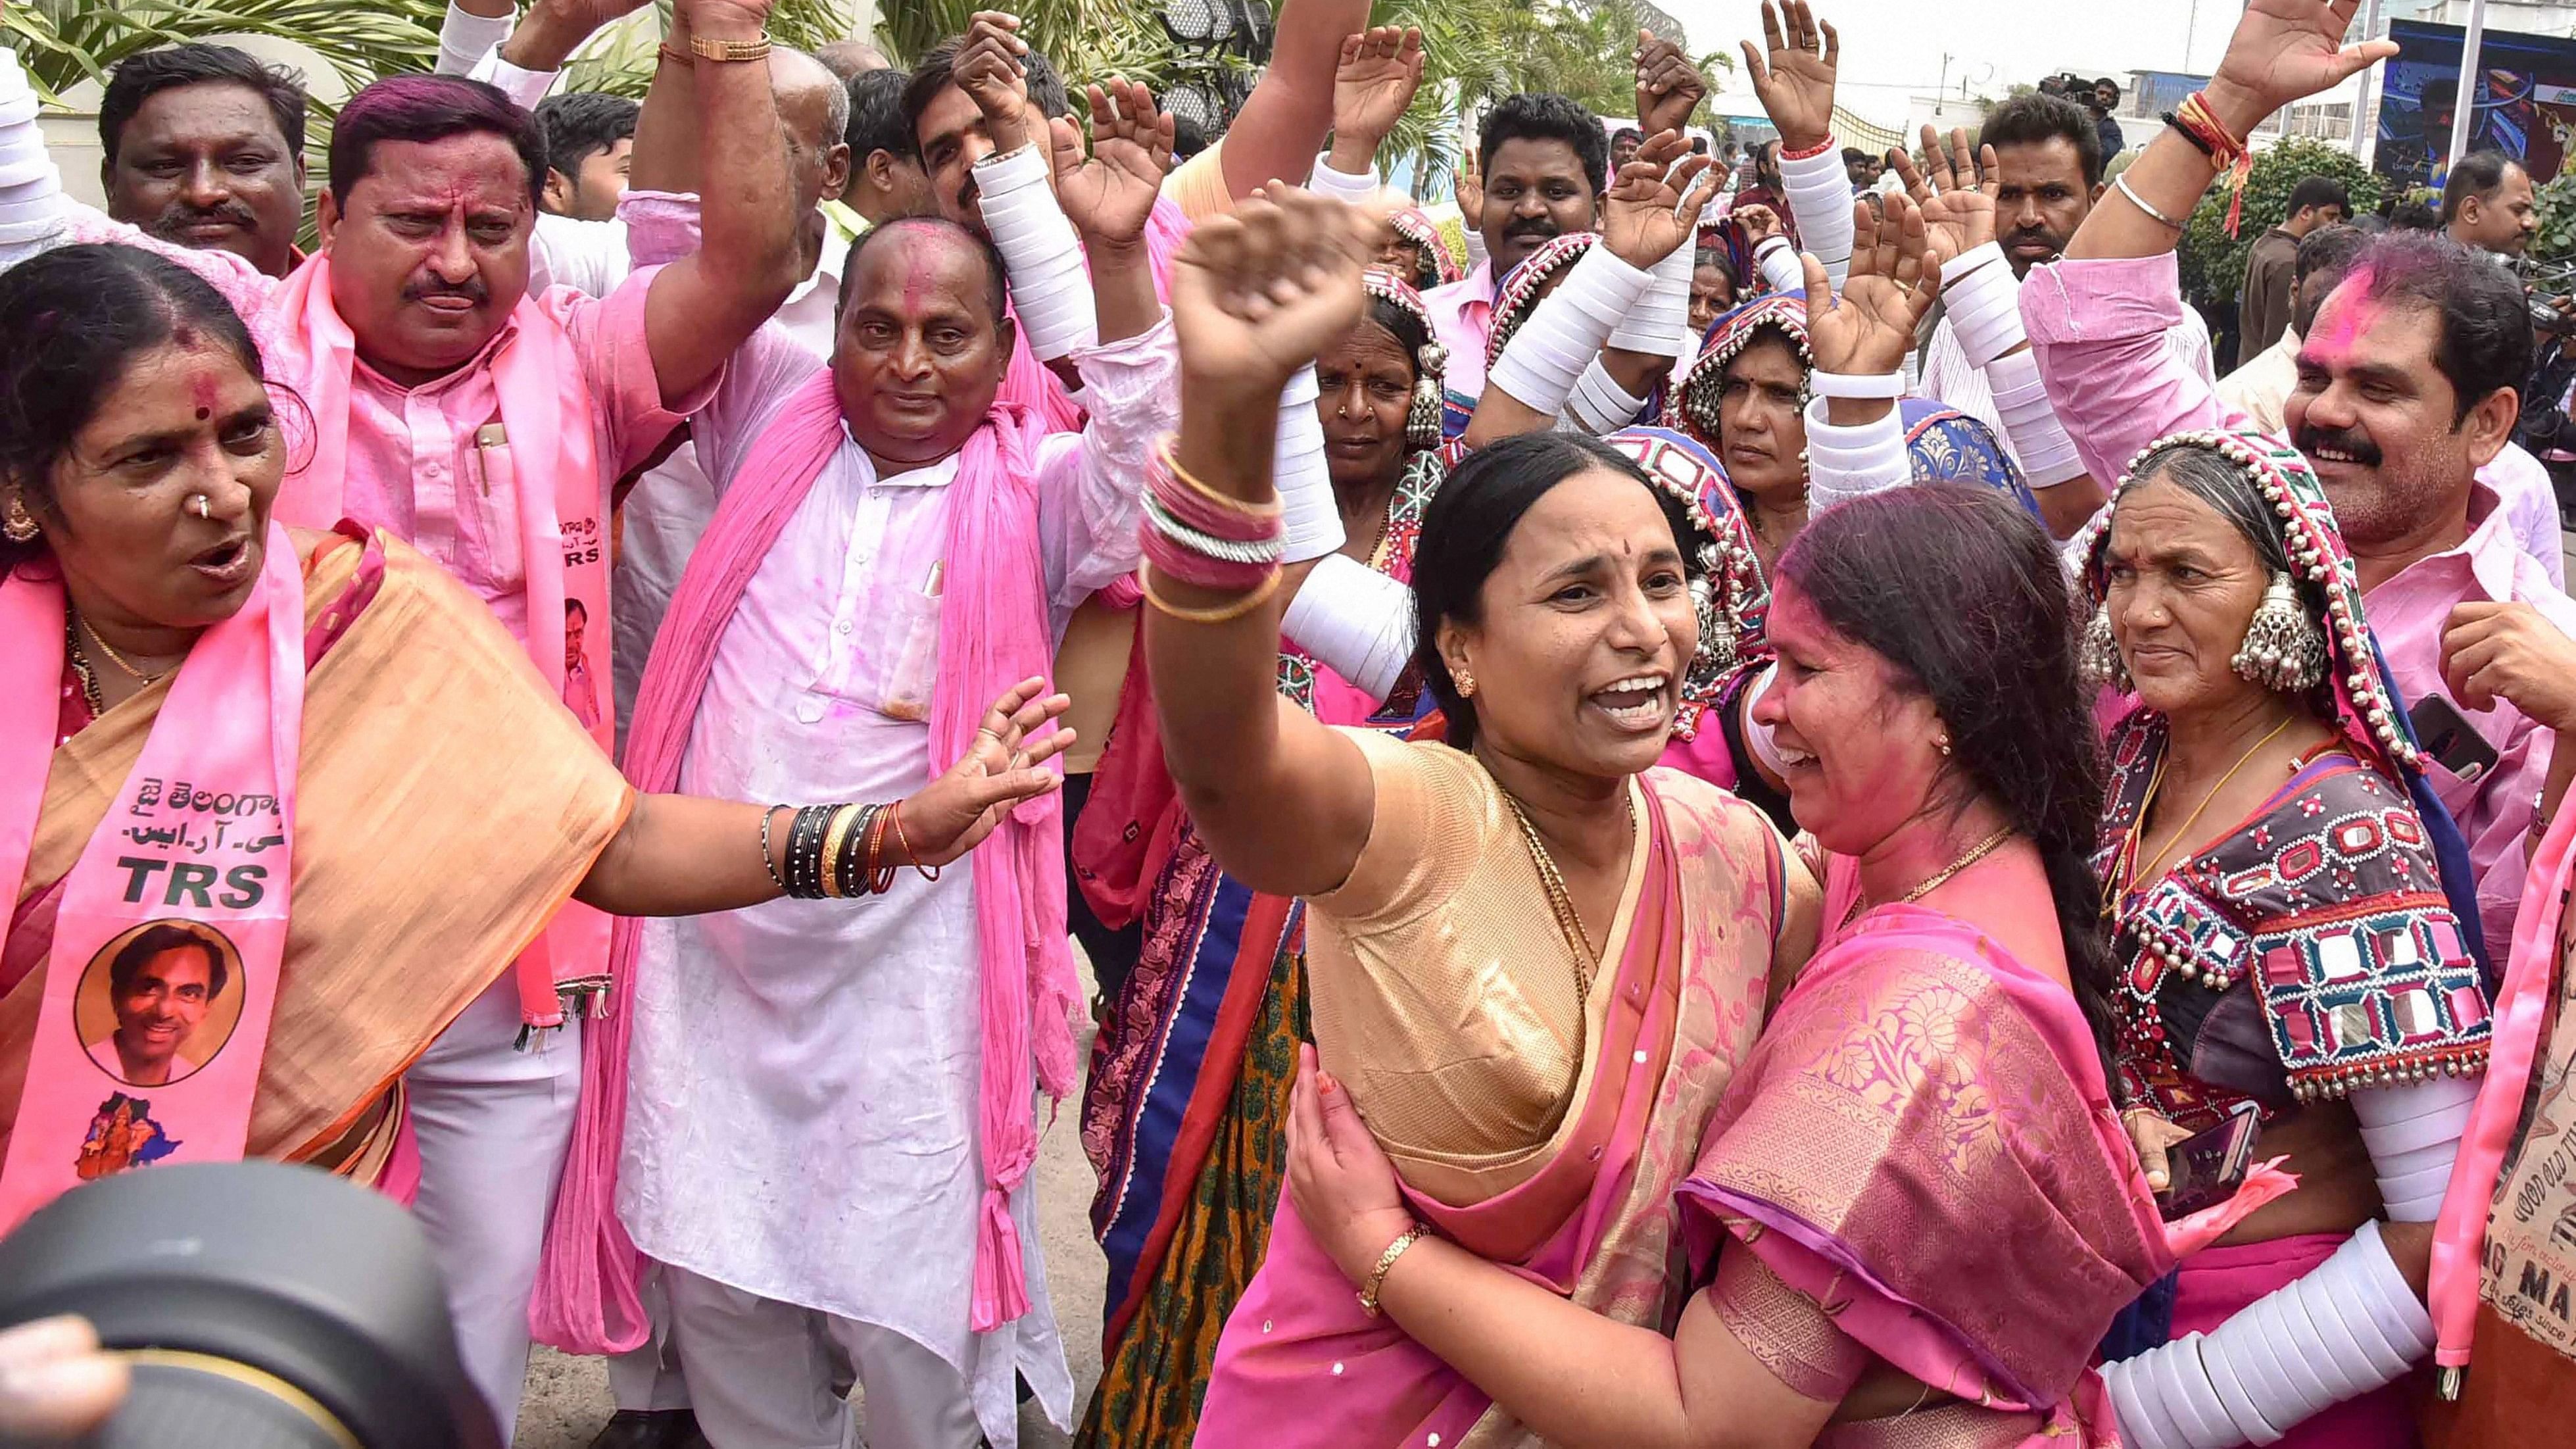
(1225, 613)
(833, 836)
(1385, 1262)
(1226, 501)
(730, 50)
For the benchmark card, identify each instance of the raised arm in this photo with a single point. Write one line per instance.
(1373, 85)
(1794, 76)
(2098, 318)
(1109, 194)
(1282, 123)
(1254, 294)
(1855, 440)
(679, 855)
(1583, 347)
(702, 307)
(1957, 198)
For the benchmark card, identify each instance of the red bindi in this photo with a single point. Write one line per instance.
(201, 391)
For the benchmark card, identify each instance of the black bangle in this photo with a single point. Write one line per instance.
(805, 852)
(2190, 135)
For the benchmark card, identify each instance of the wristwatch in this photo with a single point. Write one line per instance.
(730, 49)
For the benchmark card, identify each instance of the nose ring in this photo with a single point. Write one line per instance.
(201, 505)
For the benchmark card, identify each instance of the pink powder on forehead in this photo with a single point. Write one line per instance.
(2352, 312)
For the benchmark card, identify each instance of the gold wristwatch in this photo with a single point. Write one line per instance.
(730, 49)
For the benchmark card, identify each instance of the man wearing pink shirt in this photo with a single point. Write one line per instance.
(2407, 387)
(486, 424)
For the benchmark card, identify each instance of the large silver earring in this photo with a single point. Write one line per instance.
(1716, 635)
(1422, 419)
(2284, 649)
(2097, 656)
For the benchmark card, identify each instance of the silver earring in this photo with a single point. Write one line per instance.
(1422, 418)
(2097, 655)
(1943, 745)
(2284, 649)
(1716, 635)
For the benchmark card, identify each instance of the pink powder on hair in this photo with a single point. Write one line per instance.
(2353, 315)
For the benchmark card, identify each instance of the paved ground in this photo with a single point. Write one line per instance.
(567, 1397)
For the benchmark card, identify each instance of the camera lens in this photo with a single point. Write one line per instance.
(260, 1307)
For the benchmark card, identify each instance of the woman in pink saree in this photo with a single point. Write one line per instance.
(1536, 956)
(1922, 1209)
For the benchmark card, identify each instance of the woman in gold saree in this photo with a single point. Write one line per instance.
(445, 802)
(1923, 1209)
(1537, 957)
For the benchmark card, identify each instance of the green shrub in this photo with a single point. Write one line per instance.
(2213, 263)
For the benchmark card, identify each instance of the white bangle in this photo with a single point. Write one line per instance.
(1356, 621)
(1983, 300)
(1778, 263)
(1849, 385)
(1847, 462)
(1325, 181)
(1600, 406)
(2413, 1133)
(1566, 332)
(1757, 735)
(1820, 198)
(1041, 251)
(1311, 522)
(2038, 441)
(1658, 322)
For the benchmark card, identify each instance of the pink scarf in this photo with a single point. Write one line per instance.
(198, 848)
(544, 396)
(992, 634)
(2460, 1234)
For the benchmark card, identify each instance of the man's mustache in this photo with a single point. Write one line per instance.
(472, 290)
(180, 216)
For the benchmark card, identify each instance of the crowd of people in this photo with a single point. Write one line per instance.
(1610, 780)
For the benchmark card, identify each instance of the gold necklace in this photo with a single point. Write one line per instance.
(1587, 961)
(1938, 878)
(2138, 871)
(119, 660)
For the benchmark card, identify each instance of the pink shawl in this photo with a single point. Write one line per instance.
(992, 634)
(1299, 1363)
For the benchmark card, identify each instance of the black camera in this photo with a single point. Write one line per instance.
(258, 1306)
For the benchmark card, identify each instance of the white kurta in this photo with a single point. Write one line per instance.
(801, 1116)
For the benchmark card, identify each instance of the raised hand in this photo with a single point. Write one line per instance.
(1760, 223)
(1796, 83)
(1958, 207)
(1373, 86)
(1869, 328)
(2284, 51)
(989, 70)
(1669, 87)
(954, 813)
(1653, 207)
(1256, 293)
(1110, 193)
(1470, 186)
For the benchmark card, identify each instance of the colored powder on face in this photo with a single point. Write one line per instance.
(2352, 312)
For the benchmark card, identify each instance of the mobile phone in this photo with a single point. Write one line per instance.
(2450, 739)
(2207, 1167)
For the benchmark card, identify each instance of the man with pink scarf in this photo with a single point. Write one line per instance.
(820, 1124)
(485, 424)
(2414, 358)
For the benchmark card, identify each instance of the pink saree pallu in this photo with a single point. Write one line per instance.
(1923, 1143)
(172, 925)
(1299, 1364)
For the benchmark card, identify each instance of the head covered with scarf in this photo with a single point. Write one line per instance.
(1438, 265)
(1942, 443)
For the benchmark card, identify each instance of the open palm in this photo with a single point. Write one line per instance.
(1795, 80)
(2288, 50)
(1869, 327)
(1653, 207)
(1257, 292)
(999, 770)
(1958, 207)
(1373, 85)
(1110, 192)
